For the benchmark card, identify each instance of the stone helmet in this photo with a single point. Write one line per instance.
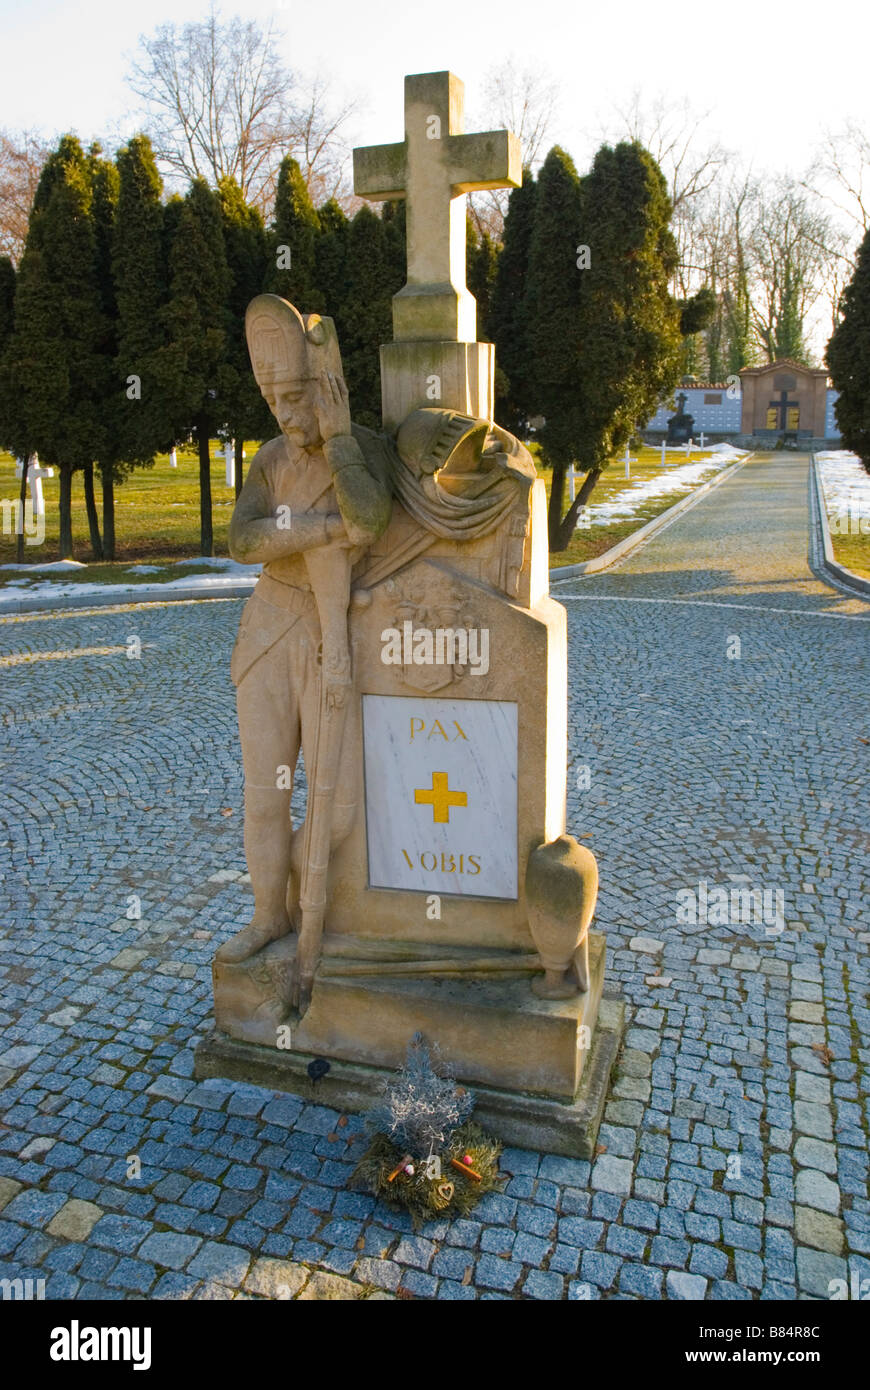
(433, 438)
(288, 346)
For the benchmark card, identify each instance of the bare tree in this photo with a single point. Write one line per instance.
(21, 160)
(218, 103)
(672, 131)
(525, 101)
(792, 244)
(840, 174)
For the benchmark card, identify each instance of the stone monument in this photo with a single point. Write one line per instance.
(402, 636)
(681, 425)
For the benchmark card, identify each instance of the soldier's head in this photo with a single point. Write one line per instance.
(290, 352)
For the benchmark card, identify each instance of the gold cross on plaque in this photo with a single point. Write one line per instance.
(440, 798)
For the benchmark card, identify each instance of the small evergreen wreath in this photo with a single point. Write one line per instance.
(425, 1154)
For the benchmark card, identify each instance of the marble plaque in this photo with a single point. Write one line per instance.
(441, 795)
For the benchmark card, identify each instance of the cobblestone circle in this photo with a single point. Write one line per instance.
(733, 1157)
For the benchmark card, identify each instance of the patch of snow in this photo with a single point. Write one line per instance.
(846, 485)
(53, 567)
(216, 562)
(677, 479)
(142, 569)
(207, 582)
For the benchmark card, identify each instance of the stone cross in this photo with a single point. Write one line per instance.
(628, 462)
(433, 168)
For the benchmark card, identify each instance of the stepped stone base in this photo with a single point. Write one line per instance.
(568, 1128)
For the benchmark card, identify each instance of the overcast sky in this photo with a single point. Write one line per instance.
(773, 75)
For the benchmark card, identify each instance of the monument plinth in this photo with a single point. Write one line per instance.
(402, 633)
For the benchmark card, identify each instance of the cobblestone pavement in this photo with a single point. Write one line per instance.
(717, 704)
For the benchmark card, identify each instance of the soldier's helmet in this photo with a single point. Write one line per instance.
(286, 346)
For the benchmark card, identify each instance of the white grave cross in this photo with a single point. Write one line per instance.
(35, 474)
(628, 462)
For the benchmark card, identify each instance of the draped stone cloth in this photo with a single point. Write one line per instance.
(457, 477)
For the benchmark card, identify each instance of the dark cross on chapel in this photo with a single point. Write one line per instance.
(782, 407)
(681, 402)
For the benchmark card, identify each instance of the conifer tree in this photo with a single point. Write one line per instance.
(190, 366)
(7, 299)
(292, 241)
(7, 319)
(104, 189)
(551, 308)
(481, 273)
(394, 215)
(245, 414)
(508, 321)
(142, 420)
(604, 329)
(367, 315)
(330, 262)
(52, 369)
(848, 359)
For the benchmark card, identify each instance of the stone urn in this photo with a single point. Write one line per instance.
(561, 889)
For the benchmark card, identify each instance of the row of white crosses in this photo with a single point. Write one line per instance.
(35, 474)
(229, 460)
(682, 448)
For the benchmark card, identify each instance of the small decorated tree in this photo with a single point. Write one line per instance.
(425, 1155)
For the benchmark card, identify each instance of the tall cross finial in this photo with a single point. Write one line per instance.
(433, 168)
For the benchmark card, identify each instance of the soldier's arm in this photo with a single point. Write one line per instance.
(363, 500)
(260, 531)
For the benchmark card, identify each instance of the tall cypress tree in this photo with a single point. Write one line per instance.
(330, 263)
(292, 240)
(52, 368)
(104, 188)
(509, 309)
(848, 359)
(604, 328)
(7, 320)
(142, 420)
(552, 312)
(630, 341)
(394, 217)
(7, 299)
(197, 320)
(245, 412)
(481, 277)
(367, 316)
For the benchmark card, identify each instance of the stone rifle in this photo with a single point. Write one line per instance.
(364, 509)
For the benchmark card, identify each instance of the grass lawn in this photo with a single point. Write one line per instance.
(157, 516)
(853, 553)
(156, 519)
(590, 542)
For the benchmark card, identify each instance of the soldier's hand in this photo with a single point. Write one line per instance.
(332, 406)
(337, 676)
